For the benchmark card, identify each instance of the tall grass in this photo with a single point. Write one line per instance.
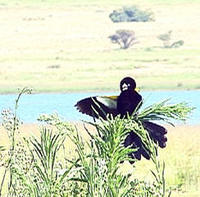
(40, 166)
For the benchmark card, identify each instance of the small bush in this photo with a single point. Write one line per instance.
(131, 14)
(167, 43)
(177, 44)
(124, 38)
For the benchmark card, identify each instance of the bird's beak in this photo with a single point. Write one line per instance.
(124, 87)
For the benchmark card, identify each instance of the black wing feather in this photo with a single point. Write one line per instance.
(92, 106)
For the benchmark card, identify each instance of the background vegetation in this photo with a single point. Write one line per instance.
(60, 46)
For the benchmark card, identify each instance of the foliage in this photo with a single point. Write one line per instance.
(131, 14)
(98, 161)
(166, 39)
(125, 38)
(44, 153)
(163, 111)
(40, 166)
(11, 124)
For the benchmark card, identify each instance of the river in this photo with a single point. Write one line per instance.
(31, 106)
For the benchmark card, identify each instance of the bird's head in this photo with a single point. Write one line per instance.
(127, 83)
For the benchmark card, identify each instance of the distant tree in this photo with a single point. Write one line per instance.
(131, 14)
(125, 38)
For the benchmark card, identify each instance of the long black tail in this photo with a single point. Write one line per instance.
(157, 134)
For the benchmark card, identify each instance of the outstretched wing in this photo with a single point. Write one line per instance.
(98, 106)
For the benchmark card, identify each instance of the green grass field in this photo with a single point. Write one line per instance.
(63, 46)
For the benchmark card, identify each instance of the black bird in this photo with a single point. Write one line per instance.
(125, 104)
(129, 99)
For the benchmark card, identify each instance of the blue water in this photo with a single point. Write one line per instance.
(31, 106)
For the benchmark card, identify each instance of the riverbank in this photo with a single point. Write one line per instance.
(64, 47)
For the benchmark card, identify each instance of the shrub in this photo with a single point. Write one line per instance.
(166, 39)
(124, 38)
(131, 14)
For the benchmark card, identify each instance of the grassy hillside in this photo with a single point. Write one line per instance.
(63, 46)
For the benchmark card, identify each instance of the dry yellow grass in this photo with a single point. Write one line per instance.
(182, 156)
(182, 159)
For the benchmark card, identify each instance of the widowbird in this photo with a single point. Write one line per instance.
(125, 104)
